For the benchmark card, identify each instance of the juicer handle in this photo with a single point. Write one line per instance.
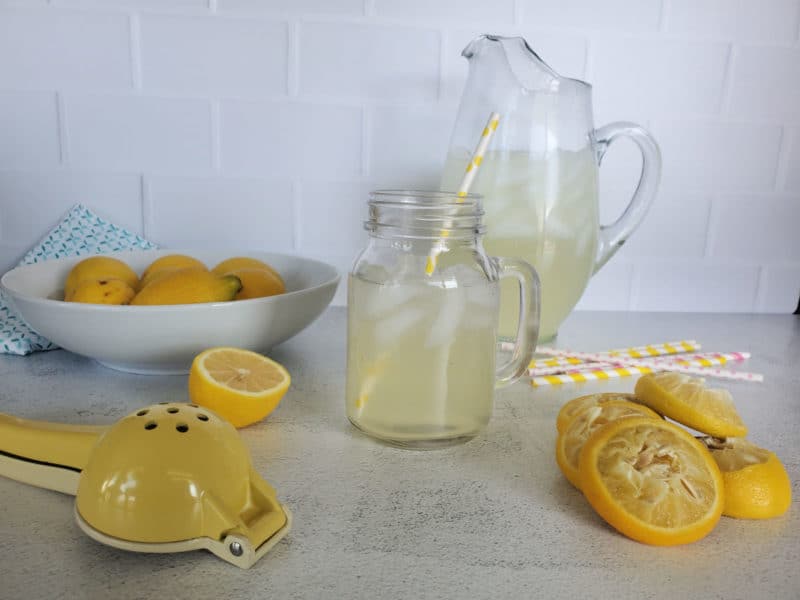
(528, 328)
(613, 236)
(47, 455)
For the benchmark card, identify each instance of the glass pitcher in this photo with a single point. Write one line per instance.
(421, 344)
(540, 175)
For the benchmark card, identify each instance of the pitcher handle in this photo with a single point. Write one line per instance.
(613, 236)
(528, 328)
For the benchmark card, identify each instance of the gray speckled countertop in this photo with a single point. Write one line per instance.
(492, 518)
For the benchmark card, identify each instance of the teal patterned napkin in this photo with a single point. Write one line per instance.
(80, 232)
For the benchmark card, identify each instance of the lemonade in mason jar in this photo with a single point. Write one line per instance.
(421, 368)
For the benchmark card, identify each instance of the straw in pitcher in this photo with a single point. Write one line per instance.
(466, 183)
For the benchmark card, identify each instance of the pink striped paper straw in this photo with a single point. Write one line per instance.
(577, 365)
(658, 366)
(705, 359)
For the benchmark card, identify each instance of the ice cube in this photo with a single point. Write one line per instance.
(452, 306)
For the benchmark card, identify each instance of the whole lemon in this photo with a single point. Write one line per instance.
(103, 291)
(188, 286)
(244, 262)
(170, 262)
(98, 267)
(257, 283)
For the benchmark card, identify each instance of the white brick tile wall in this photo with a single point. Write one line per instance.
(134, 133)
(45, 49)
(206, 55)
(610, 288)
(739, 218)
(300, 139)
(632, 15)
(178, 117)
(769, 21)
(716, 155)
(766, 83)
(113, 197)
(350, 60)
(793, 165)
(215, 212)
(28, 130)
(300, 7)
(11, 254)
(450, 11)
(409, 144)
(781, 289)
(693, 286)
(633, 74)
(159, 5)
(332, 216)
(675, 227)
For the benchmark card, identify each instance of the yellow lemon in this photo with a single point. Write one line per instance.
(257, 283)
(103, 291)
(756, 483)
(586, 422)
(244, 262)
(652, 481)
(688, 401)
(188, 286)
(98, 267)
(171, 262)
(239, 385)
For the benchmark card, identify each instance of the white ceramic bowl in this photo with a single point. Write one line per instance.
(165, 339)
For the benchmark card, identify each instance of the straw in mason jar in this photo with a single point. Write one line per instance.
(469, 176)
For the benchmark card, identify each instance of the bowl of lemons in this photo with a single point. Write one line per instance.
(153, 311)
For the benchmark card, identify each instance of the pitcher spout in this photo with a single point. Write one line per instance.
(515, 56)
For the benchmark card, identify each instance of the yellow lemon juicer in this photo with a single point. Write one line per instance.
(170, 477)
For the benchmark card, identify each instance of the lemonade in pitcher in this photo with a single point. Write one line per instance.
(544, 211)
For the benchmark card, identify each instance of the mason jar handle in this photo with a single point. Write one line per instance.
(613, 236)
(528, 328)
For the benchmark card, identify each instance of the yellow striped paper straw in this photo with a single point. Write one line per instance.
(588, 376)
(665, 366)
(661, 349)
(466, 182)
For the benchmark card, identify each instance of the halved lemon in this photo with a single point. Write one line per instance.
(239, 385)
(756, 483)
(576, 405)
(652, 481)
(687, 400)
(586, 422)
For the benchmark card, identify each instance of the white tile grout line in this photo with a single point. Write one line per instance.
(366, 139)
(633, 289)
(760, 296)
(727, 82)
(216, 135)
(711, 226)
(663, 18)
(63, 137)
(442, 65)
(588, 62)
(788, 139)
(136, 52)
(297, 215)
(369, 8)
(147, 208)
(293, 59)
(517, 12)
